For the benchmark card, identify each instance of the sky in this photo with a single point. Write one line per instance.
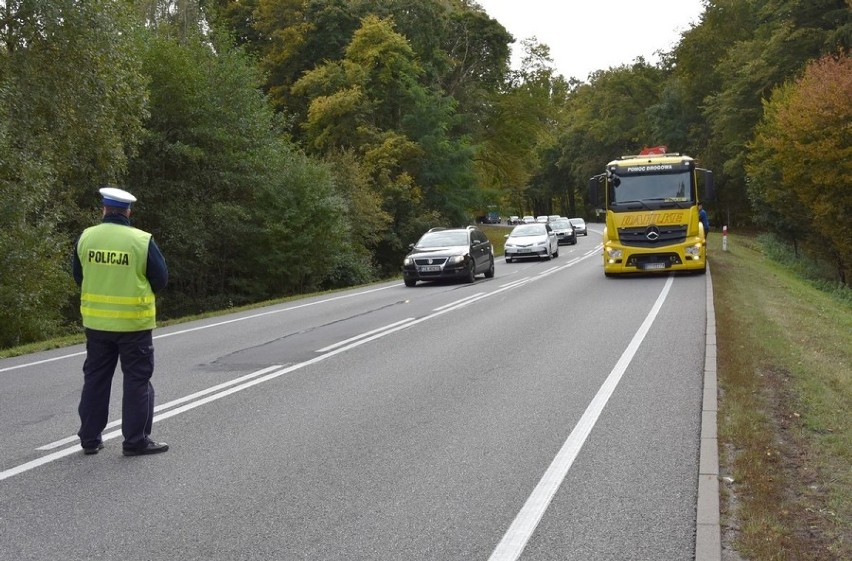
(589, 35)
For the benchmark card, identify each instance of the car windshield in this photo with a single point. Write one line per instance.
(577, 221)
(529, 230)
(443, 239)
(560, 224)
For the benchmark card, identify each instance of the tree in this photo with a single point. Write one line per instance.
(373, 103)
(72, 101)
(213, 165)
(616, 113)
(801, 159)
(767, 42)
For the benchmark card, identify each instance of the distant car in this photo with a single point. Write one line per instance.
(528, 219)
(564, 231)
(552, 217)
(449, 253)
(579, 226)
(531, 240)
(491, 218)
(542, 218)
(513, 220)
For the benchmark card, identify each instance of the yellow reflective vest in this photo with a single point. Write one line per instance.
(115, 294)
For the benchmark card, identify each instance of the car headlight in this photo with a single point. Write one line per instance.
(455, 259)
(541, 243)
(408, 261)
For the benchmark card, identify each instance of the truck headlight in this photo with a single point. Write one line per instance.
(613, 253)
(693, 250)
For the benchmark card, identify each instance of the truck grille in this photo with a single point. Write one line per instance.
(652, 236)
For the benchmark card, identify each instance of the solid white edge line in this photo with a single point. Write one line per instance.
(516, 537)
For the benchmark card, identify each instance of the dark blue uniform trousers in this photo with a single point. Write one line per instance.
(103, 350)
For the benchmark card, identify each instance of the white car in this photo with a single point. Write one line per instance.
(531, 240)
(579, 226)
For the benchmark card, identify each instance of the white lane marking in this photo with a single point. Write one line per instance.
(170, 404)
(515, 282)
(250, 380)
(472, 297)
(272, 312)
(516, 537)
(361, 336)
(217, 324)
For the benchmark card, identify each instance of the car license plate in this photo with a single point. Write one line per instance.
(524, 250)
(430, 268)
(654, 266)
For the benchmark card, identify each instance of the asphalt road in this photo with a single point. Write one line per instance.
(547, 413)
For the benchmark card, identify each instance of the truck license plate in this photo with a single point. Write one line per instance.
(654, 266)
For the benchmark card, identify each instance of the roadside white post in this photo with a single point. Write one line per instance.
(724, 238)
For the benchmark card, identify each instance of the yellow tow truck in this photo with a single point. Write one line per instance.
(651, 204)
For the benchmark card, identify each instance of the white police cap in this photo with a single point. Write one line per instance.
(117, 197)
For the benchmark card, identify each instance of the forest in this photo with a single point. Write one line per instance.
(278, 147)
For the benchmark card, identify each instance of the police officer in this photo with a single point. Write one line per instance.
(119, 268)
(702, 216)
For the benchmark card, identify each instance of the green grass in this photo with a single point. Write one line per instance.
(784, 356)
(497, 235)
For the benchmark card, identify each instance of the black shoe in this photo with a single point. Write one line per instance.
(91, 451)
(150, 447)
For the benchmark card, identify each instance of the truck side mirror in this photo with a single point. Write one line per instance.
(594, 183)
(709, 188)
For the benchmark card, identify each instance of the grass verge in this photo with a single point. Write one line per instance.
(784, 355)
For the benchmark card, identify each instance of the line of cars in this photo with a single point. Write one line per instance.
(578, 224)
(465, 253)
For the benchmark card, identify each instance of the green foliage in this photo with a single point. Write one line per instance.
(303, 234)
(34, 279)
(239, 213)
(520, 127)
(768, 42)
(618, 112)
(801, 162)
(71, 107)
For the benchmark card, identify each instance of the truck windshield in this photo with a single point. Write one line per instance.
(657, 188)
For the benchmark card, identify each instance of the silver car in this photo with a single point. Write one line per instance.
(579, 226)
(564, 231)
(531, 240)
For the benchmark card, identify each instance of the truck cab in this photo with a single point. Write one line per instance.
(651, 206)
